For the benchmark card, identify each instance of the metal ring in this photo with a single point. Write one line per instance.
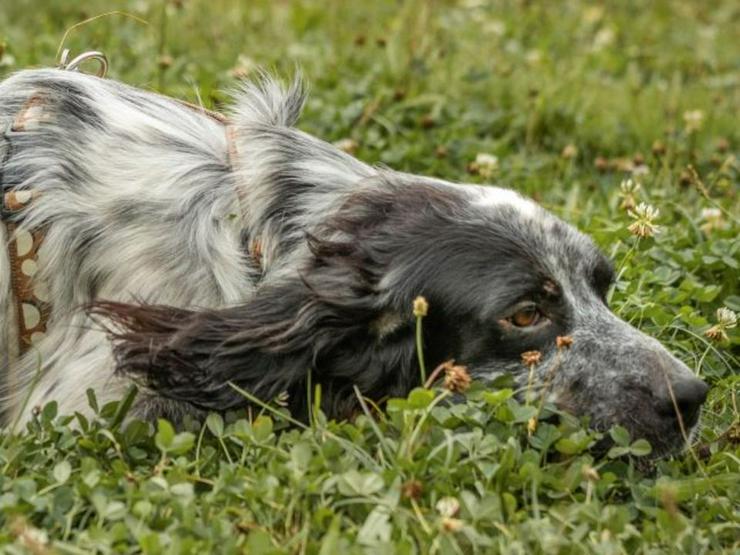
(74, 65)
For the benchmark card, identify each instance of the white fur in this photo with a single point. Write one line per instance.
(497, 197)
(182, 248)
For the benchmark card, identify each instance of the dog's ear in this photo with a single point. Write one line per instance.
(267, 346)
(333, 319)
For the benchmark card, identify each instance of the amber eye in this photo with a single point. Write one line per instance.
(525, 317)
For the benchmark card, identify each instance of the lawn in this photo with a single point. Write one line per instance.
(589, 108)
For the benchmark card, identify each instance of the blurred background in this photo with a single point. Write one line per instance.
(424, 85)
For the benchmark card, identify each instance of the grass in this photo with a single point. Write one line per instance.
(571, 98)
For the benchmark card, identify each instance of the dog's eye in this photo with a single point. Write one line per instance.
(526, 316)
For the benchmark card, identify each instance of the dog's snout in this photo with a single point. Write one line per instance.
(689, 394)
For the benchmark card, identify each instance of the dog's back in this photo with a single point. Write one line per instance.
(134, 196)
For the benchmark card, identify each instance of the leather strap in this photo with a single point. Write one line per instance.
(31, 300)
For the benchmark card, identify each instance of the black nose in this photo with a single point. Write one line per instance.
(690, 394)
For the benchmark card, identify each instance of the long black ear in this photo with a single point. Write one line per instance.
(332, 318)
(323, 321)
(266, 346)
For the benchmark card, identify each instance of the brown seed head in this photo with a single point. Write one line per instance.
(601, 164)
(412, 489)
(452, 524)
(733, 434)
(685, 178)
(531, 358)
(563, 341)
(628, 203)
(658, 148)
(165, 61)
(427, 121)
(726, 320)
(717, 333)
(457, 378)
(623, 164)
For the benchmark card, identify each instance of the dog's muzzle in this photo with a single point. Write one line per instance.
(617, 375)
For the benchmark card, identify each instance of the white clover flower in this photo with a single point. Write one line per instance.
(711, 213)
(569, 151)
(592, 14)
(693, 120)
(448, 507)
(533, 57)
(726, 319)
(712, 220)
(495, 27)
(7, 60)
(629, 186)
(628, 190)
(243, 67)
(485, 165)
(640, 170)
(347, 145)
(644, 224)
(604, 38)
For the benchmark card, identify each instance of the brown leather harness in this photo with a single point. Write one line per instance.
(31, 300)
(32, 306)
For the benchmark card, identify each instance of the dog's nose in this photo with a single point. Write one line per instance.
(690, 394)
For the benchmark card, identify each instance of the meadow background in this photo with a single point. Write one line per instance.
(563, 101)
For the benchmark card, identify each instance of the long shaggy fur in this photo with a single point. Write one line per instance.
(172, 263)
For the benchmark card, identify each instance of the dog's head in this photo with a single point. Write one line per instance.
(501, 275)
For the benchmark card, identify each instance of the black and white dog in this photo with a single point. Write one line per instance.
(259, 254)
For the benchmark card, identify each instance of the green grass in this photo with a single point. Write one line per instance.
(567, 96)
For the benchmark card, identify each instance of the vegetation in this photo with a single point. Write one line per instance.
(590, 108)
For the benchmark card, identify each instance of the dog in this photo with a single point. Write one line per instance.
(191, 253)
